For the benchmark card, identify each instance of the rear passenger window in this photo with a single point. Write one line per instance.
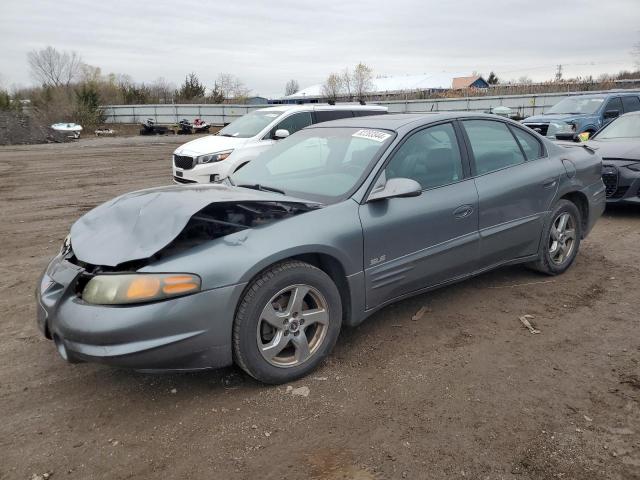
(631, 104)
(530, 145)
(493, 145)
(327, 115)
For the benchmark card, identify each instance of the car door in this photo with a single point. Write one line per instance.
(516, 182)
(417, 242)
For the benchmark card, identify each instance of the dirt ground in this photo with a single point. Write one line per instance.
(464, 392)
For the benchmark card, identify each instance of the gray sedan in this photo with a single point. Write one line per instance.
(327, 227)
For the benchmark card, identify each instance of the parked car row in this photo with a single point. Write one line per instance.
(326, 226)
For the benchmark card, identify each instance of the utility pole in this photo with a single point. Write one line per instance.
(559, 73)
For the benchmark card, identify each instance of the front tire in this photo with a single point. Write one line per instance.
(287, 322)
(560, 239)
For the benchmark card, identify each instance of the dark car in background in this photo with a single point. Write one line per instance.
(322, 230)
(583, 113)
(619, 146)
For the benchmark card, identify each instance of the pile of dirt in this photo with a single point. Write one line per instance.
(20, 129)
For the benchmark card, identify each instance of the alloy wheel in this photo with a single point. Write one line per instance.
(562, 238)
(292, 326)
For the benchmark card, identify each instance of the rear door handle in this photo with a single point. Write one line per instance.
(550, 182)
(463, 211)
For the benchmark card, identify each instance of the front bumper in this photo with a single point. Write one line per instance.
(623, 184)
(186, 333)
(199, 174)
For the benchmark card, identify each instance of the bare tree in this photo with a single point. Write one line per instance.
(89, 73)
(332, 87)
(362, 80)
(291, 87)
(228, 87)
(347, 83)
(524, 80)
(162, 91)
(53, 68)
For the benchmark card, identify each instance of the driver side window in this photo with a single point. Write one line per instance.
(431, 157)
(614, 104)
(293, 123)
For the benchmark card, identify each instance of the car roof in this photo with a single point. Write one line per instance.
(607, 94)
(308, 107)
(396, 121)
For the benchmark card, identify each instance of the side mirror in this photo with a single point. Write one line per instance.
(280, 134)
(395, 188)
(611, 113)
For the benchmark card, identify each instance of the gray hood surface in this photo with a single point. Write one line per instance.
(137, 225)
(622, 149)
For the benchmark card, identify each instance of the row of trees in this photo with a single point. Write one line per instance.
(71, 90)
(350, 84)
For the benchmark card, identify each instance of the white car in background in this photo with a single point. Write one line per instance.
(214, 157)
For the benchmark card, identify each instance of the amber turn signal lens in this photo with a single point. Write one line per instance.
(143, 287)
(179, 284)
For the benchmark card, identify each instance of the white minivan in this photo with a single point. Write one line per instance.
(214, 157)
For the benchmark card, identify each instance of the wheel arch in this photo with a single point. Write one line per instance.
(580, 200)
(329, 264)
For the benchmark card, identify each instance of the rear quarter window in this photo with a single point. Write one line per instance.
(530, 145)
(365, 113)
(328, 115)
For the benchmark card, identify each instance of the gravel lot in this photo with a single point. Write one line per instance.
(463, 392)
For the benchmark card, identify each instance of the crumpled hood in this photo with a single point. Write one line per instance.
(622, 149)
(209, 144)
(137, 225)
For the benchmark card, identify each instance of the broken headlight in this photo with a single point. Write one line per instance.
(213, 157)
(66, 245)
(138, 288)
(556, 127)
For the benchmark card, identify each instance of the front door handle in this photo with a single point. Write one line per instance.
(463, 211)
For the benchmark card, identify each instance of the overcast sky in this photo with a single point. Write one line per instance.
(267, 43)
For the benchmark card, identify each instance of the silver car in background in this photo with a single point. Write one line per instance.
(321, 231)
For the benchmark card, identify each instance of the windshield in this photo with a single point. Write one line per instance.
(251, 124)
(320, 164)
(627, 126)
(576, 105)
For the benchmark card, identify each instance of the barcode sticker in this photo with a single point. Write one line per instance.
(375, 135)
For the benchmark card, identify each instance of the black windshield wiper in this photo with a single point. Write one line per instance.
(263, 188)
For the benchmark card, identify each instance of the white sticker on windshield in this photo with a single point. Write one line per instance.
(375, 135)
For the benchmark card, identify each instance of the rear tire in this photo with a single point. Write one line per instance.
(287, 322)
(560, 239)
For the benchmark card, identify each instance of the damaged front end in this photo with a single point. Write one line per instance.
(137, 229)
